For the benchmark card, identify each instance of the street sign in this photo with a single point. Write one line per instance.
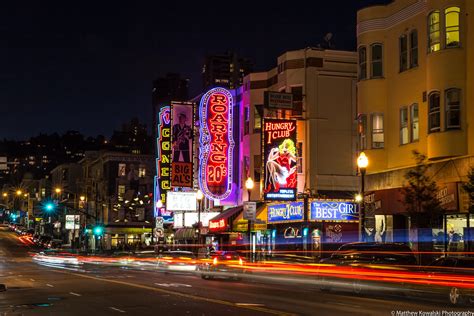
(250, 210)
(159, 222)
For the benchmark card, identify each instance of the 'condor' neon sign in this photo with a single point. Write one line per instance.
(217, 143)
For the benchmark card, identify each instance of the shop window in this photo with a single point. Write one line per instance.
(257, 120)
(415, 135)
(456, 226)
(362, 63)
(404, 137)
(453, 109)
(403, 46)
(377, 131)
(452, 26)
(413, 48)
(434, 118)
(363, 132)
(376, 60)
(433, 32)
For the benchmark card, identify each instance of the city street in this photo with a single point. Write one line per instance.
(35, 289)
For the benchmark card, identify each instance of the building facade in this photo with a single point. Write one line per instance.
(415, 92)
(225, 70)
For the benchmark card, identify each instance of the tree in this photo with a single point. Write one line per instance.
(469, 188)
(420, 193)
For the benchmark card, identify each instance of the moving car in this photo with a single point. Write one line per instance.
(223, 264)
(177, 261)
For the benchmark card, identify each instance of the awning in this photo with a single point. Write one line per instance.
(223, 221)
(186, 233)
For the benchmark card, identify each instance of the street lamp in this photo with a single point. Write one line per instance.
(57, 190)
(249, 184)
(362, 163)
(5, 194)
(19, 192)
(82, 198)
(199, 198)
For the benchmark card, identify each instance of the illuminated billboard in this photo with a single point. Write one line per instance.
(163, 161)
(182, 118)
(217, 144)
(334, 211)
(181, 201)
(279, 152)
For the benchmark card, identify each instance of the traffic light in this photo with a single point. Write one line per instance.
(98, 230)
(49, 207)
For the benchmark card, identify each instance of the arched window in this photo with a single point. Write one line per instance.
(434, 115)
(453, 108)
(433, 32)
(362, 63)
(376, 60)
(451, 16)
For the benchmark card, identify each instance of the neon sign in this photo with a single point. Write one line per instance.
(217, 225)
(163, 161)
(334, 211)
(217, 144)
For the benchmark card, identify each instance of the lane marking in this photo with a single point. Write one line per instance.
(49, 285)
(249, 304)
(75, 294)
(173, 284)
(116, 309)
(185, 295)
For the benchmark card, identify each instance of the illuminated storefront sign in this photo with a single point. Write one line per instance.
(279, 152)
(217, 225)
(163, 161)
(181, 201)
(182, 121)
(215, 169)
(289, 212)
(334, 211)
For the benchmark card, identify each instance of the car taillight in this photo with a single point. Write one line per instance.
(214, 261)
(228, 257)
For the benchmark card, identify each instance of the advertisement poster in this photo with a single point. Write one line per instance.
(182, 119)
(279, 152)
(216, 144)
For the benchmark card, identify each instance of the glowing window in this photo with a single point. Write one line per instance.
(453, 109)
(452, 26)
(434, 118)
(413, 48)
(415, 134)
(433, 32)
(404, 139)
(377, 131)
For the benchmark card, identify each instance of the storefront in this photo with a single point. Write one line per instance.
(126, 238)
(221, 235)
(286, 224)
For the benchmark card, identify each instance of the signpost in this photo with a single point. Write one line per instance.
(250, 211)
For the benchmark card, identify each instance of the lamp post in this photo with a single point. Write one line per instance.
(249, 184)
(362, 163)
(199, 198)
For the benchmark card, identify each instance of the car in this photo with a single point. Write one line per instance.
(223, 264)
(177, 261)
(44, 241)
(358, 267)
(448, 278)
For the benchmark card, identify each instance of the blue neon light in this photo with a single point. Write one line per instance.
(324, 210)
(286, 212)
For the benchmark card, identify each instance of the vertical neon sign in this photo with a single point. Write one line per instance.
(217, 144)
(163, 161)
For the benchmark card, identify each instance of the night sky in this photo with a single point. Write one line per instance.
(90, 67)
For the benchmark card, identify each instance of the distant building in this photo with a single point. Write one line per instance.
(171, 87)
(132, 138)
(225, 70)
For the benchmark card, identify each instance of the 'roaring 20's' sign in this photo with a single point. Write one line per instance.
(163, 160)
(217, 143)
(286, 212)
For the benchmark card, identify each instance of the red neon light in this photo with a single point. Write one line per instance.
(218, 121)
(217, 224)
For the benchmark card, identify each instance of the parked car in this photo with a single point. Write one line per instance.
(223, 264)
(355, 266)
(447, 278)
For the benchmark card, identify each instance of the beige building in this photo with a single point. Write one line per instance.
(324, 103)
(415, 91)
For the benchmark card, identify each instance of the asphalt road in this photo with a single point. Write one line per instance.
(35, 289)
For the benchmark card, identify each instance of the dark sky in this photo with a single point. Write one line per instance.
(89, 67)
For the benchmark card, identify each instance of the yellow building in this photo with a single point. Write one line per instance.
(415, 91)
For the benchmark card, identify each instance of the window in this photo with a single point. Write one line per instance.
(257, 120)
(299, 159)
(141, 172)
(404, 139)
(377, 131)
(433, 32)
(122, 169)
(434, 118)
(247, 120)
(121, 191)
(403, 46)
(453, 109)
(452, 26)
(376, 61)
(415, 135)
(413, 48)
(363, 131)
(257, 167)
(297, 100)
(362, 63)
